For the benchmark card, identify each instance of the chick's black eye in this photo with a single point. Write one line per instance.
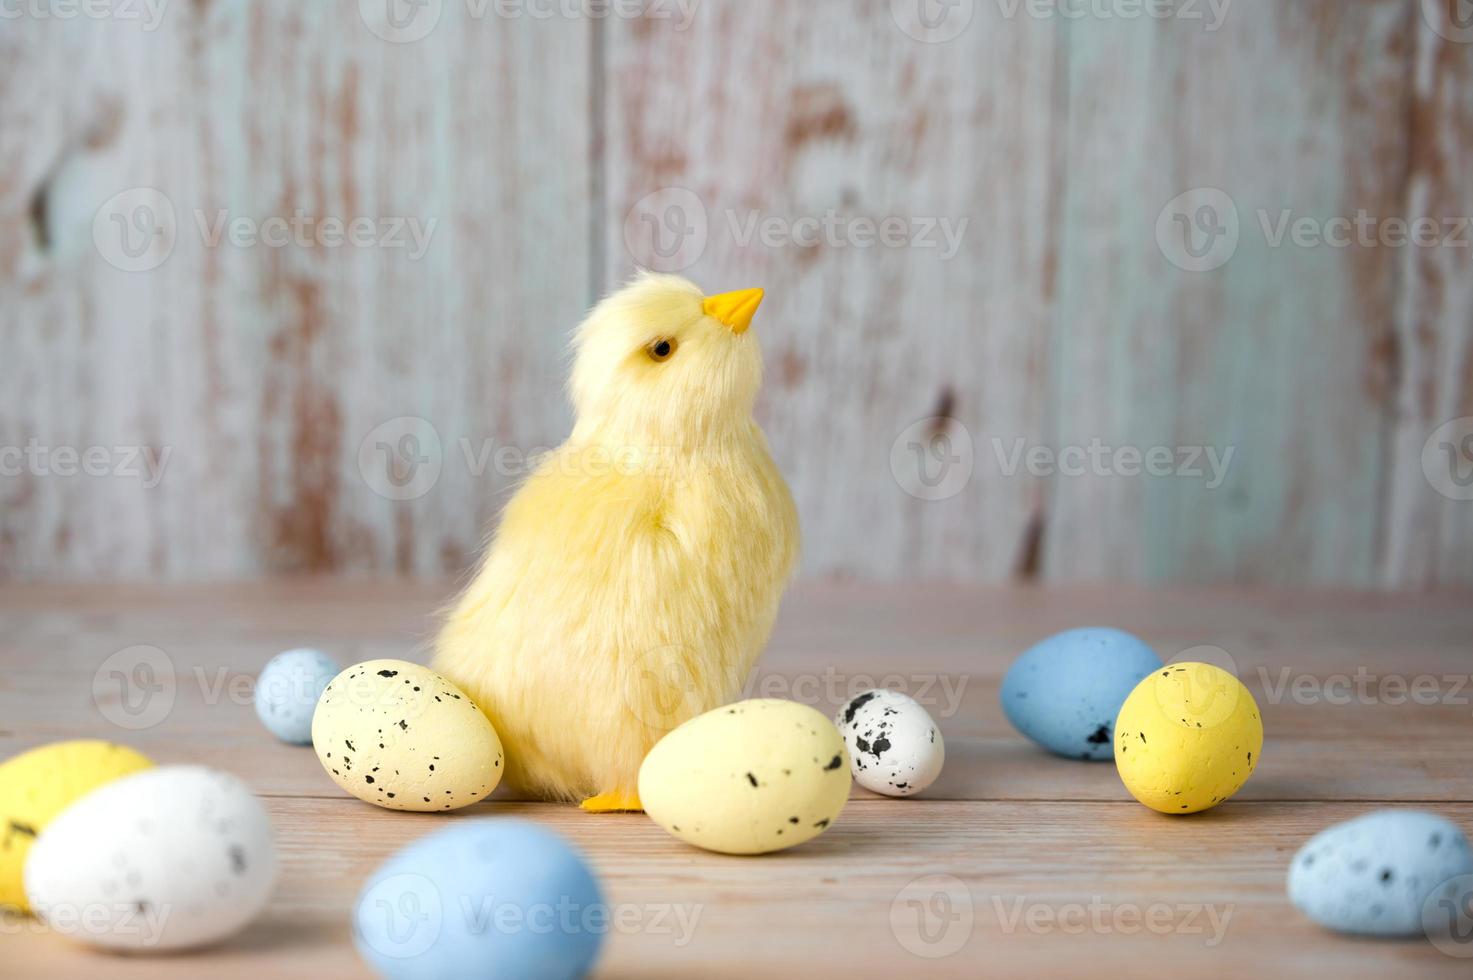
(661, 349)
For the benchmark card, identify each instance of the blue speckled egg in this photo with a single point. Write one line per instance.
(1373, 875)
(1065, 692)
(287, 692)
(482, 899)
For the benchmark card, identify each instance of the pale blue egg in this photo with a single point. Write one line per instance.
(1065, 692)
(287, 691)
(486, 899)
(1380, 873)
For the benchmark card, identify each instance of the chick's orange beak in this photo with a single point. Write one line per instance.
(734, 309)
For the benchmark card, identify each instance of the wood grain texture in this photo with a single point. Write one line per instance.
(831, 113)
(297, 389)
(265, 369)
(1028, 838)
(1273, 352)
(1426, 527)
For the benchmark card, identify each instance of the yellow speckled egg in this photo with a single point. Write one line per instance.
(751, 777)
(1187, 738)
(37, 785)
(400, 736)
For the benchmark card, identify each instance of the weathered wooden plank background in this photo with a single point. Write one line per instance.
(1044, 289)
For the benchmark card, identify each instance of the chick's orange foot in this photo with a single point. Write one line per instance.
(613, 803)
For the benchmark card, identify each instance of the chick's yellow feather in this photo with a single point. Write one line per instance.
(634, 577)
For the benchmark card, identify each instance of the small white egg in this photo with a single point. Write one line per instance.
(894, 747)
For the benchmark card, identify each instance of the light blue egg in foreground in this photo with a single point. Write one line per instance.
(287, 691)
(1065, 692)
(485, 898)
(1379, 874)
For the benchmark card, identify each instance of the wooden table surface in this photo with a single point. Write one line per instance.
(1014, 863)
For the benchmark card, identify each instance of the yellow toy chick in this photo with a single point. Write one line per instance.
(635, 576)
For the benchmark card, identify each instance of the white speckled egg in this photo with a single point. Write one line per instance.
(168, 858)
(287, 692)
(751, 777)
(1373, 875)
(894, 746)
(400, 736)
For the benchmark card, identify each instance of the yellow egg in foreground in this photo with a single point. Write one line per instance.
(1187, 738)
(37, 785)
(752, 777)
(400, 736)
